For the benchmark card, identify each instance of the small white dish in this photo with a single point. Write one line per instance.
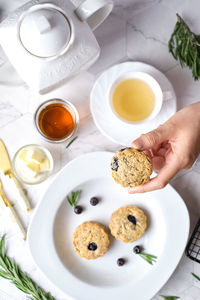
(119, 131)
(50, 234)
(19, 167)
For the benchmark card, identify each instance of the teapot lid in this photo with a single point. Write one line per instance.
(44, 32)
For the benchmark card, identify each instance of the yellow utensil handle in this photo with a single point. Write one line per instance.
(5, 201)
(17, 221)
(25, 203)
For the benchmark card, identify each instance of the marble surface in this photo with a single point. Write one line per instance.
(136, 30)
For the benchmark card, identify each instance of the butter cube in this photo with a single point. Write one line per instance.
(38, 156)
(45, 165)
(33, 166)
(23, 155)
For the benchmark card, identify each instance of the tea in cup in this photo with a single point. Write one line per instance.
(136, 97)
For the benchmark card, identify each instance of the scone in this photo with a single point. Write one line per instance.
(128, 224)
(131, 167)
(90, 240)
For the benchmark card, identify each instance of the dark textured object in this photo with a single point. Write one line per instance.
(92, 246)
(94, 201)
(132, 219)
(193, 247)
(115, 165)
(78, 209)
(120, 262)
(137, 250)
(125, 149)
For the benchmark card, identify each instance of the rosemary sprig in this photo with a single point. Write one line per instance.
(195, 276)
(148, 257)
(73, 198)
(169, 297)
(69, 144)
(11, 271)
(184, 45)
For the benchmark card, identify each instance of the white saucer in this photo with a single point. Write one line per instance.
(109, 125)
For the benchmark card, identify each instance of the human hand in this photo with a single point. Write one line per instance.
(173, 146)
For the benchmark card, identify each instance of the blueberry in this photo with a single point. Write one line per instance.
(125, 149)
(92, 246)
(137, 250)
(132, 219)
(78, 209)
(114, 164)
(94, 201)
(120, 262)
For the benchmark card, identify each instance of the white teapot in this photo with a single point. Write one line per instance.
(49, 42)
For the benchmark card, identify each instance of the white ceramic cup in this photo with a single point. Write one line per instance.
(160, 95)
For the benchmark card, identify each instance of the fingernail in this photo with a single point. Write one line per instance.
(138, 144)
(133, 190)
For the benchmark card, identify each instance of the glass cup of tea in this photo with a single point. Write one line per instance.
(136, 97)
(56, 120)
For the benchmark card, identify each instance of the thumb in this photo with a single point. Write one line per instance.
(153, 138)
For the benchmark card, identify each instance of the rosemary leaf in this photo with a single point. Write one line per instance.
(5, 275)
(11, 271)
(148, 257)
(2, 246)
(69, 144)
(73, 198)
(197, 277)
(69, 200)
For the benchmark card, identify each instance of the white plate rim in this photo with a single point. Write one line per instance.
(117, 292)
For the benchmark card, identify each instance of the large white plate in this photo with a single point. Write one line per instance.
(50, 234)
(113, 128)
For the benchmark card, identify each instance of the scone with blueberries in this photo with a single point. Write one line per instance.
(128, 223)
(131, 167)
(90, 240)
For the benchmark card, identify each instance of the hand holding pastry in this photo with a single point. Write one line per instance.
(173, 146)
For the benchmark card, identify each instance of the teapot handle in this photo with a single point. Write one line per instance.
(94, 11)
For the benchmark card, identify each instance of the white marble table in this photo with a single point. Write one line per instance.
(136, 30)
